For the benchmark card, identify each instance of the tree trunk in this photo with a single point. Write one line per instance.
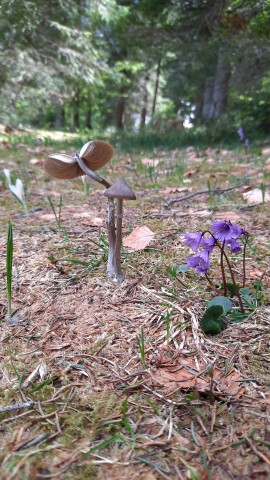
(144, 103)
(212, 95)
(156, 88)
(120, 111)
(88, 114)
(76, 110)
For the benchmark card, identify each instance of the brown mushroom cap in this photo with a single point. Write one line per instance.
(95, 154)
(120, 190)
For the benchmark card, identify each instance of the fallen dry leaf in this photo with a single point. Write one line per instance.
(169, 190)
(255, 196)
(185, 375)
(191, 172)
(96, 222)
(266, 151)
(150, 162)
(229, 216)
(138, 239)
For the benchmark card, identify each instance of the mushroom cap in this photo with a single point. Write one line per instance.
(95, 154)
(120, 190)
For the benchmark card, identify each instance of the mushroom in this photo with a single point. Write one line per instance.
(92, 156)
(121, 191)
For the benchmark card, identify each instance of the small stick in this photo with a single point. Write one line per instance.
(19, 406)
(217, 190)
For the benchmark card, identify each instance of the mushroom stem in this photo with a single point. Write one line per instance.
(111, 217)
(118, 241)
(111, 238)
(90, 172)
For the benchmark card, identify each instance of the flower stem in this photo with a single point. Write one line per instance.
(218, 292)
(244, 260)
(234, 282)
(223, 269)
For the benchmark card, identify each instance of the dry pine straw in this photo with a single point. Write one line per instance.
(81, 334)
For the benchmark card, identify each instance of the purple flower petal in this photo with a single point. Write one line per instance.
(221, 230)
(209, 244)
(225, 231)
(200, 261)
(193, 240)
(236, 230)
(241, 134)
(235, 246)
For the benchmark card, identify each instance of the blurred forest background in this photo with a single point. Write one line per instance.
(136, 65)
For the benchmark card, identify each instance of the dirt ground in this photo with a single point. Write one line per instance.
(106, 381)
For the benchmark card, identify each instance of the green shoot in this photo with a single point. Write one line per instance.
(141, 342)
(57, 216)
(9, 261)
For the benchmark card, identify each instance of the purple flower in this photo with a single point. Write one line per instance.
(235, 246)
(246, 143)
(200, 261)
(209, 244)
(236, 230)
(241, 134)
(193, 240)
(226, 231)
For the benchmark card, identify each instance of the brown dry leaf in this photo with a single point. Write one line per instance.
(139, 239)
(184, 375)
(169, 190)
(47, 216)
(266, 151)
(254, 196)
(96, 222)
(35, 161)
(191, 172)
(202, 213)
(175, 376)
(229, 216)
(150, 162)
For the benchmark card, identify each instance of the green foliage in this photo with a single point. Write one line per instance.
(9, 263)
(224, 302)
(212, 321)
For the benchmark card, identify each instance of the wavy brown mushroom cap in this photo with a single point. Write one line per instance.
(95, 154)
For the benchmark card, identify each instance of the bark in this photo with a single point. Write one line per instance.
(120, 111)
(76, 110)
(156, 88)
(88, 119)
(144, 103)
(88, 114)
(212, 95)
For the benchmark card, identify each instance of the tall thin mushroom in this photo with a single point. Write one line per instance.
(92, 156)
(121, 191)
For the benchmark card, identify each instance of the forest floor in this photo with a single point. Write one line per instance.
(92, 401)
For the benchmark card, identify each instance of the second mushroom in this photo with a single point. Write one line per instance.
(92, 156)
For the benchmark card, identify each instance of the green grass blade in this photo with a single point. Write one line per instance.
(9, 261)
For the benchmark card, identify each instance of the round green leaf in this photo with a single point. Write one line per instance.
(224, 302)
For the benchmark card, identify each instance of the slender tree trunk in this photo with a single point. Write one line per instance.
(156, 88)
(76, 110)
(88, 114)
(145, 103)
(120, 111)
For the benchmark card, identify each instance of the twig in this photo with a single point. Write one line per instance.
(202, 192)
(19, 406)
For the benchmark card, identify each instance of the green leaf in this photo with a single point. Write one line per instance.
(224, 302)
(42, 385)
(177, 269)
(232, 288)
(212, 321)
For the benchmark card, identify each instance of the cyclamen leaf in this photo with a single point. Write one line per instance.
(212, 322)
(224, 302)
